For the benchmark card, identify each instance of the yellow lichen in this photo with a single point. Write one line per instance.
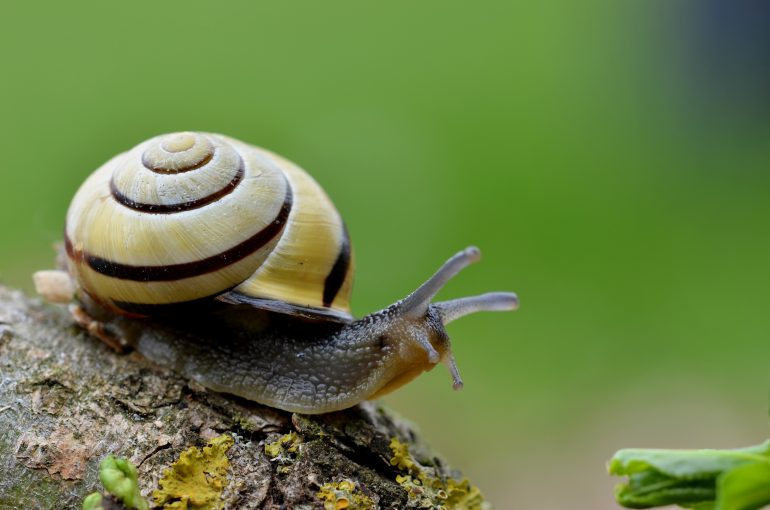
(426, 490)
(284, 448)
(343, 495)
(401, 457)
(197, 479)
(464, 495)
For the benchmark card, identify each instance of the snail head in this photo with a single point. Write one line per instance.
(417, 325)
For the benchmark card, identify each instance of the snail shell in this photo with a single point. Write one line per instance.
(193, 216)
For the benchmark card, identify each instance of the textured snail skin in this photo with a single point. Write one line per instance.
(286, 363)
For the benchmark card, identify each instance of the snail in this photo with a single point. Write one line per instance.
(231, 265)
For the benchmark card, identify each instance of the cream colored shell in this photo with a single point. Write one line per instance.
(194, 216)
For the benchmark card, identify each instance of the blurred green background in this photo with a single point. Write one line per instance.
(610, 158)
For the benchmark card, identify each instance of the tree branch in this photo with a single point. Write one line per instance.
(67, 401)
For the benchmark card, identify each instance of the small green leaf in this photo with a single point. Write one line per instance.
(745, 488)
(689, 478)
(93, 502)
(119, 478)
(650, 489)
(686, 464)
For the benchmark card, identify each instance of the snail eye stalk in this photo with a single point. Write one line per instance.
(433, 355)
(416, 305)
(491, 302)
(457, 382)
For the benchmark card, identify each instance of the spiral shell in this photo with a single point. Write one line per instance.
(192, 216)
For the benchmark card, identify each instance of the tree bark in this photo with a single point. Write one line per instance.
(67, 401)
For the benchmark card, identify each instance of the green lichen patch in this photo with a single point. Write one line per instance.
(243, 423)
(426, 489)
(197, 479)
(285, 448)
(344, 494)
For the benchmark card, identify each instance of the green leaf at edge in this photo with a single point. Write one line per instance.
(745, 487)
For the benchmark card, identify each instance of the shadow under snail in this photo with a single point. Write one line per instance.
(230, 264)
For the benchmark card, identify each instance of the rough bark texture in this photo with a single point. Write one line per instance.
(67, 401)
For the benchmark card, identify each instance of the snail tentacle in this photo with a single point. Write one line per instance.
(416, 303)
(451, 364)
(433, 355)
(453, 309)
(429, 319)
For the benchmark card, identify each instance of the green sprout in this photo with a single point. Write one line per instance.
(119, 478)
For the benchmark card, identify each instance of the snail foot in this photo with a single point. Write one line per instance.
(97, 329)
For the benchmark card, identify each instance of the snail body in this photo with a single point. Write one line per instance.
(231, 265)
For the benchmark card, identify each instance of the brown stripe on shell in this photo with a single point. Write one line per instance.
(181, 206)
(72, 253)
(188, 269)
(336, 277)
(162, 170)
